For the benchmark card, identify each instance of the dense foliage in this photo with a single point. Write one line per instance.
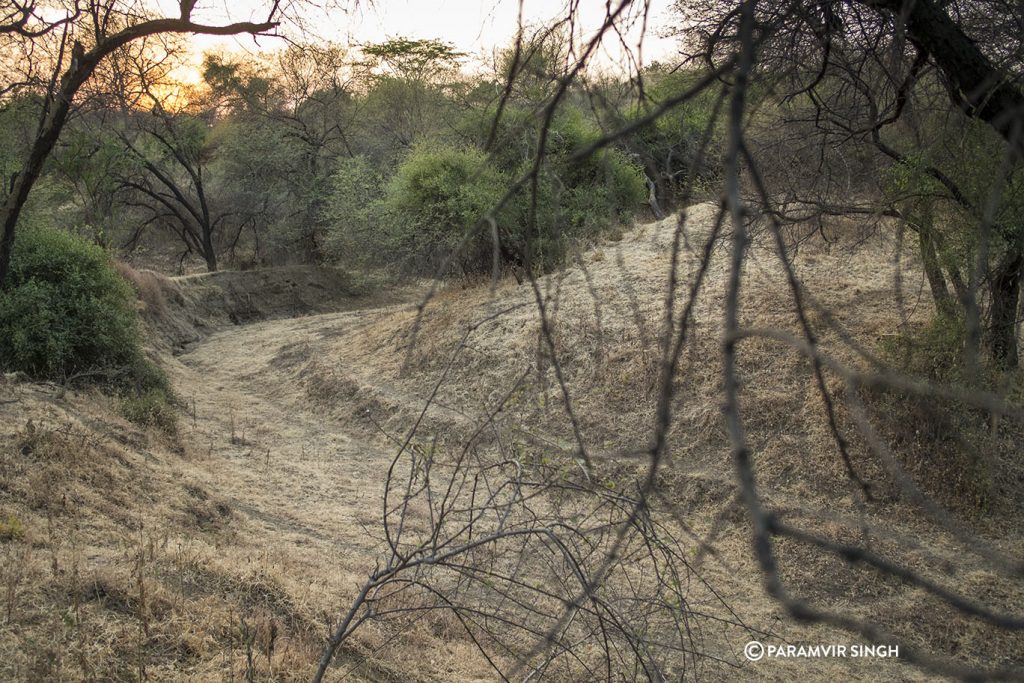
(437, 207)
(65, 314)
(391, 156)
(64, 310)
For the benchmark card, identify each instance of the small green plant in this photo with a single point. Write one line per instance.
(11, 529)
(153, 409)
(941, 440)
(935, 351)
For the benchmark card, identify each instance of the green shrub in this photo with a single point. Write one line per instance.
(591, 194)
(429, 212)
(940, 440)
(433, 205)
(935, 352)
(11, 529)
(607, 190)
(151, 408)
(353, 212)
(514, 138)
(671, 144)
(63, 309)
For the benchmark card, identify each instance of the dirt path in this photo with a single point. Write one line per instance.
(301, 476)
(304, 471)
(276, 429)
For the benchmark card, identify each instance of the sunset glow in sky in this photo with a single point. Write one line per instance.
(479, 27)
(476, 28)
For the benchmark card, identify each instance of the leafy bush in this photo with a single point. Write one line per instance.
(64, 311)
(429, 211)
(436, 200)
(940, 440)
(670, 145)
(152, 408)
(585, 197)
(514, 140)
(353, 212)
(606, 189)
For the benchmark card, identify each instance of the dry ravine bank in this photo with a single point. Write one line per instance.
(229, 548)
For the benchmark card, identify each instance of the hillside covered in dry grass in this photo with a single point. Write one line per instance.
(229, 546)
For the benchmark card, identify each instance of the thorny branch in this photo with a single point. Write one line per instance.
(614, 574)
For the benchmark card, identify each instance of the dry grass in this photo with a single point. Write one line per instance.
(225, 555)
(113, 572)
(151, 289)
(606, 334)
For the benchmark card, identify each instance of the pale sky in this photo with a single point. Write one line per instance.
(476, 28)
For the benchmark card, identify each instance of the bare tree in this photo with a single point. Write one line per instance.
(85, 36)
(291, 120)
(171, 178)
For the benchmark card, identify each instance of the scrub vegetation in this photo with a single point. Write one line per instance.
(383, 362)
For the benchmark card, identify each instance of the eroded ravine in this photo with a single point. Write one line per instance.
(298, 471)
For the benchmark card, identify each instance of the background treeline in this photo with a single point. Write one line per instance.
(391, 157)
(387, 157)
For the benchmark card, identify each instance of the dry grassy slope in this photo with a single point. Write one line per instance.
(181, 311)
(607, 313)
(112, 557)
(252, 528)
(225, 548)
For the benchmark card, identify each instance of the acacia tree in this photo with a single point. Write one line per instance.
(170, 178)
(405, 100)
(80, 40)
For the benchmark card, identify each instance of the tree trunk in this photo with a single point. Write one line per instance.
(1005, 302)
(49, 130)
(944, 302)
(652, 199)
(209, 253)
(973, 81)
